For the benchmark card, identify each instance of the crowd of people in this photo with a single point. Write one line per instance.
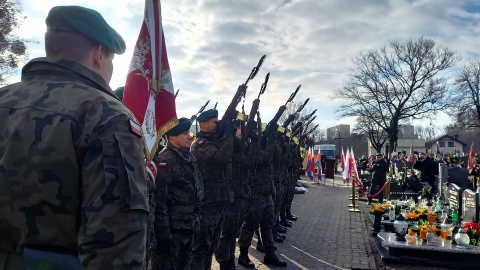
(77, 192)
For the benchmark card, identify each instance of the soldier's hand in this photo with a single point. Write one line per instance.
(231, 128)
(166, 246)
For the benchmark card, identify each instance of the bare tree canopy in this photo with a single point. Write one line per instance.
(466, 95)
(397, 82)
(292, 107)
(372, 131)
(12, 48)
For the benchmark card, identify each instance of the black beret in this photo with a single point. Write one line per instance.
(207, 115)
(87, 22)
(183, 125)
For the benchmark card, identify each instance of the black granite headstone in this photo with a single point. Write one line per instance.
(459, 176)
(454, 197)
(469, 206)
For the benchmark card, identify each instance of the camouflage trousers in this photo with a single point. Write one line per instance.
(180, 260)
(206, 240)
(259, 212)
(288, 199)
(234, 217)
(279, 199)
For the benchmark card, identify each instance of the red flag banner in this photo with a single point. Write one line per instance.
(149, 92)
(471, 157)
(410, 158)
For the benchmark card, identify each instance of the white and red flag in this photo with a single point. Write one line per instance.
(471, 157)
(149, 90)
(411, 159)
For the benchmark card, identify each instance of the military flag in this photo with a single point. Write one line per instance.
(149, 92)
(354, 164)
(342, 160)
(471, 157)
(346, 169)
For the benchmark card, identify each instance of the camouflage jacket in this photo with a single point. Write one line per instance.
(240, 170)
(179, 184)
(72, 171)
(262, 182)
(276, 160)
(213, 158)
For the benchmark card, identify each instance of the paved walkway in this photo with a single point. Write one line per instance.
(326, 235)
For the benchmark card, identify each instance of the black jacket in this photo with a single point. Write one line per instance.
(379, 170)
(428, 168)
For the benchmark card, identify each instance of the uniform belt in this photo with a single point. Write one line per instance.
(215, 184)
(182, 208)
(10, 261)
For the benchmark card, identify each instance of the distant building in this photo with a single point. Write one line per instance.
(406, 132)
(332, 132)
(447, 145)
(402, 146)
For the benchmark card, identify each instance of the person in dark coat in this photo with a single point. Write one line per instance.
(428, 168)
(379, 171)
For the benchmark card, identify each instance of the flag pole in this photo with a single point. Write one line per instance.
(354, 209)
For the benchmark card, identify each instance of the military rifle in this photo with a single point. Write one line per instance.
(176, 94)
(231, 112)
(250, 126)
(194, 117)
(291, 117)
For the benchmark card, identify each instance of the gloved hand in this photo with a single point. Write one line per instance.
(230, 128)
(166, 246)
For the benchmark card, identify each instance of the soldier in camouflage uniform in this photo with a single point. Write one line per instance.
(213, 158)
(260, 209)
(281, 183)
(72, 167)
(179, 195)
(285, 211)
(235, 212)
(279, 191)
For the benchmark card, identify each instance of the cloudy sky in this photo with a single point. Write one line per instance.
(213, 44)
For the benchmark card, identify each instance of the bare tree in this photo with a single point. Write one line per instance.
(397, 82)
(466, 95)
(12, 48)
(372, 131)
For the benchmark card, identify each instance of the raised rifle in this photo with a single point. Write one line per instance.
(272, 126)
(310, 115)
(194, 117)
(250, 126)
(291, 117)
(231, 112)
(176, 93)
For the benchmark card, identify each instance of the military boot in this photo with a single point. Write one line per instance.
(243, 259)
(272, 259)
(285, 223)
(276, 237)
(279, 228)
(279, 235)
(291, 217)
(225, 265)
(260, 247)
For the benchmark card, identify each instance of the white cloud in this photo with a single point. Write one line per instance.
(213, 44)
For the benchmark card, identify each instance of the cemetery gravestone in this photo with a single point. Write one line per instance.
(470, 206)
(454, 197)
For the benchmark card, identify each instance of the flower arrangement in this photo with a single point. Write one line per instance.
(422, 214)
(452, 159)
(380, 208)
(473, 231)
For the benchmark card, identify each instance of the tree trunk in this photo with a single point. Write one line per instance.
(393, 133)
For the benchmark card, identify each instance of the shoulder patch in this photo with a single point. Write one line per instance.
(162, 164)
(135, 128)
(201, 142)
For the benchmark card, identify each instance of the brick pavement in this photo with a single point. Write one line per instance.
(326, 235)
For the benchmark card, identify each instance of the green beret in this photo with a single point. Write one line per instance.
(87, 22)
(207, 115)
(119, 92)
(183, 125)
